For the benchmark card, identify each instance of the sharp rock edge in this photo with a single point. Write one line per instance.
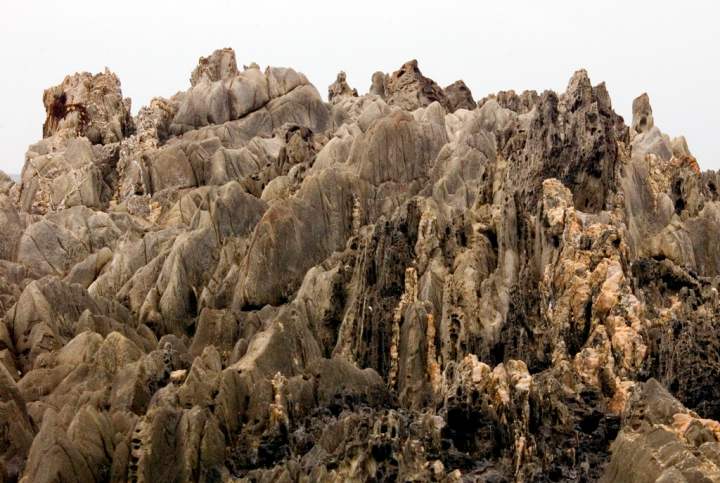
(244, 283)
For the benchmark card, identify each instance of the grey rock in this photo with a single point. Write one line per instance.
(13, 228)
(380, 84)
(643, 120)
(16, 425)
(648, 450)
(61, 179)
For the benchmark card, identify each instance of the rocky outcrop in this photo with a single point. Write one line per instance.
(340, 89)
(91, 105)
(459, 97)
(663, 441)
(409, 89)
(245, 283)
(220, 93)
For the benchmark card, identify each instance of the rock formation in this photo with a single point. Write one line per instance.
(244, 283)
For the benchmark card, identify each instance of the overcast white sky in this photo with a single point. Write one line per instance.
(671, 50)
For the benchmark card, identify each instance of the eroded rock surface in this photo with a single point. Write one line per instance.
(244, 283)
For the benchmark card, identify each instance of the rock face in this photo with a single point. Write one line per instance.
(92, 105)
(246, 283)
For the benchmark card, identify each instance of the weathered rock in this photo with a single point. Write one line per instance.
(43, 317)
(65, 177)
(47, 248)
(459, 97)
(660, 441)
(219, 66)
(254, 285)
(16, 427)
(54, 457)
(6, 183)
(339, 90)
(220, 93)
(13, 228)
(520, 104)
(192, 449)
(302, 230)
(380, 84)
(92, 105)
(643, 120)
(409, 89)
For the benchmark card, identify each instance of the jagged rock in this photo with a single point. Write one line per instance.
(172, 169)
(643, 120)
(132, 252)
(62, 178)
(54, 457)
(340, 89)
(286, 346)
(520, 104)
(13, 228)
(193, 450)
(6, 183)
(680, 147)
(245, 283)
(215, 328)
(409, 89)
(459, 97)
(47, 248)
(85, 272)
(310, 226)
(16, 427)
(92, 105)
(220, 65)
(220, 93)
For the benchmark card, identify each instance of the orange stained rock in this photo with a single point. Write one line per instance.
(608, 297)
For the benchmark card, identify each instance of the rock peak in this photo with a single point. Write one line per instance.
(340, 88)
(218, 66)
(643, 119)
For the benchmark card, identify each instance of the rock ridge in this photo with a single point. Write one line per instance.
(246, 283)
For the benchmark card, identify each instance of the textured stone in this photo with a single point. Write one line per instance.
(409, 89)
(340, 89)
(459, 97)
(92, 105)
(255, 285)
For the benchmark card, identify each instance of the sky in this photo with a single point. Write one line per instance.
(671, 50)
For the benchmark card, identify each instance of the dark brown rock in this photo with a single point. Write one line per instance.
(459, 97)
